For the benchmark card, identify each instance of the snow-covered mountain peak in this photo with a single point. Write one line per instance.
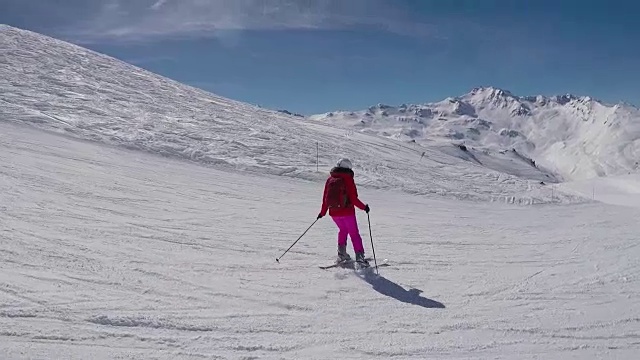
(494, 98)
(498, 96)
(568, 98)
(489, 92)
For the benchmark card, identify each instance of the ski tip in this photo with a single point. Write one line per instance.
(277, 260)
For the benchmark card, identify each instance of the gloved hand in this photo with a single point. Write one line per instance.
(366, 208)
(320, 216)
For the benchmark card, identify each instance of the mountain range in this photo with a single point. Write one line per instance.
(571, 137)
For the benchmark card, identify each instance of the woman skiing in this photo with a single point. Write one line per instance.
(339, 198)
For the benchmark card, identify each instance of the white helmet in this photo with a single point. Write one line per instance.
(344, 163)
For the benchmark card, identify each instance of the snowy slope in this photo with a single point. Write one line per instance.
(108, 250)
(574, 137)
(108, 253)
(59, 87)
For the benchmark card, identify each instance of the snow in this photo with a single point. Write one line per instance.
(623, 190)
(119, 240)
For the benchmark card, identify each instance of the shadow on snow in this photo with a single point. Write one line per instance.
(388, 288)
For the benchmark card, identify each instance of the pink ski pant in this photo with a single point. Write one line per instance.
(347, 225)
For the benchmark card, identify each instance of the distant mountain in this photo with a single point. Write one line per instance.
(571, 136)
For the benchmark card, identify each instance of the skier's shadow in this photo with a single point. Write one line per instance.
(387, 287)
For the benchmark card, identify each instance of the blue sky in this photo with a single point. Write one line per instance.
(313, 56)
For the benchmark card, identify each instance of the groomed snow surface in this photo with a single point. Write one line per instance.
(110, 253)
(141, 219)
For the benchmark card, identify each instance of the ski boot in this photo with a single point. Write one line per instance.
(362, 262)
(343, 256)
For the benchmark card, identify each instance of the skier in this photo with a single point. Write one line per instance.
(340, 196)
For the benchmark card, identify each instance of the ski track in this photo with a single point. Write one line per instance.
(110, 253)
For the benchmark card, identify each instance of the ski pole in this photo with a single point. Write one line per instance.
(372, 248)
(278, 259)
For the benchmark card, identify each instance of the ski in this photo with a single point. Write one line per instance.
(351, 264)
(336, 264)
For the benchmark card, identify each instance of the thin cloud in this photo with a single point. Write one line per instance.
(125, 20)
(158, 4)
